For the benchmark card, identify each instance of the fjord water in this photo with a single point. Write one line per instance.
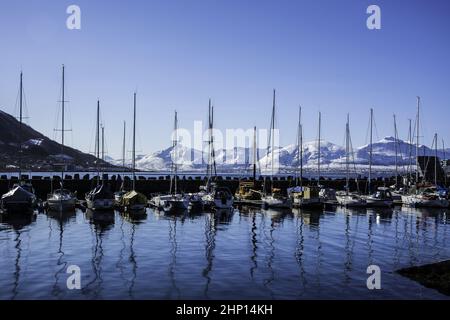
(248, 254)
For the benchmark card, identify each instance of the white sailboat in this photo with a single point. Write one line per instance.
(133, 200)
(424, 194)
(247, 190)
(100, 198)
(274, 199)
(214, 196)
(118, 195)
(20, 198)
(346, 198)
(382, 197)
(174, 202)
(62, 199)
(303, 196)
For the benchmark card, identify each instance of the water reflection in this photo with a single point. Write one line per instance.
(101, 222)
(275, 253)
(300, 247)
(17, 223)
(134, 217)
(309, 217)
(173, 256)
(276, 217)
(210, 245)
(62, 218)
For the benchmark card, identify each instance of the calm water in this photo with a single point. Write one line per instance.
(250, 254)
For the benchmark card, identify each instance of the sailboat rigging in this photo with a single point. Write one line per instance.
(20, 199)
(133, 200)
(62, 199)
(302, 196)
(214, 196)
(382, 197)
(274, 199)
(100, 198)
(346, 198)
(247, 190)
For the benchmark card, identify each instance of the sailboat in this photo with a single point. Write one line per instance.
(424, 194)
(396, 192)
(274, 199)
(133, 200)
(346, 198)
(174, 202)
(247, 191)
(21, 198)
(214, 196)
(303, 196)
(100, 198)
(382, 197)
(327, 195)
(62, 199)
(118, 195)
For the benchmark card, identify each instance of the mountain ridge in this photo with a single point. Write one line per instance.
(39, 152)
(332, 156)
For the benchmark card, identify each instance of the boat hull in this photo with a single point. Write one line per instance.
(270, 202)
(223, 204)
(100, 204)
(18, 207)
(417, 202)
(175, 206)
(306, 203)
(61, 205)
(347, 201)
(195, 205)
(376, 203)
(135, 207)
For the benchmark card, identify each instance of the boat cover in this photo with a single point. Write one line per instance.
(133, 197)
(296, 189)
(18, 194)
(101, 192)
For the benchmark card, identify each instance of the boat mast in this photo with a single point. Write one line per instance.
(272, 129)
(213, 152)
(435, 158)
(134, 141)
(208, 165)
(103, 150)
(417, 139)
(254, 155)
(410, 151)
(445, 173)
(370, 150)
(300, 151)
(123, 144)
(347, 154)
(97, 142)
(62, 126)
(396, 151)
(318, 162)
(175, 140)
(103, 143)
(20, 125)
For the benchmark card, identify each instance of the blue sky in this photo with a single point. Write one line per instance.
(177, 54)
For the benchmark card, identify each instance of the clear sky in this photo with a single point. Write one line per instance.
(177, 54)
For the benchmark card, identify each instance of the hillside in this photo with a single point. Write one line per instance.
(39, 153)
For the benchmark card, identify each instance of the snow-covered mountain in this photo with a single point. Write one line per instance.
(331, 155)
(383, 152)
